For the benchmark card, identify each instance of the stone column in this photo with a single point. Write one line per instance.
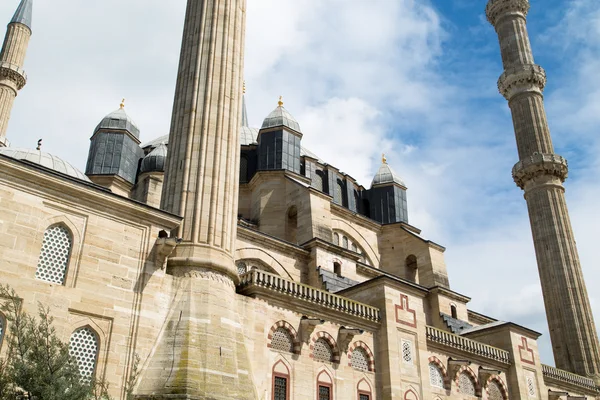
(12, 58)
(541, 173)
(201, 353)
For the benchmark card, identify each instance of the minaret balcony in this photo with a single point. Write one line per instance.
(520, 79)
(14, 73)
(540, 165)
(497, 9)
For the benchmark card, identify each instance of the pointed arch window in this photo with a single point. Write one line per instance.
(494, 391)
(322, 351)
(324, 386)
(360, 359)
(466, 384)
(281, 382)
(436, 376)
(83, 346)
(55, 254)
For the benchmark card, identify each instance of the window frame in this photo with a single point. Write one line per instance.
(282, 376)
(98, 348)
(68, 257)
(325, 385)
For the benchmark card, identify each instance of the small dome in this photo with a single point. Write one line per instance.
(45, 160)
(119, 120)
(281, 117)
(248, 135)
(386, 175)
(156, 160)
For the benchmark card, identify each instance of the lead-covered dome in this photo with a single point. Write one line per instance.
(386, 175)
(45, 160)
(248, 135)
(156, 160)
(119, 120)
(281, 117)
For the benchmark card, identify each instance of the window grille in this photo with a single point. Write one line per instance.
(360, 359)
(317, 181)
(280, 388)
(54, 257)
(407, 355)
(322, 351)
(364, 397)
(242, 268)
(436, 377)
(466, 385)
(337, 194)
(83, 346)
(282, 340)
(494, 392)
(530, 386)
(324, 393)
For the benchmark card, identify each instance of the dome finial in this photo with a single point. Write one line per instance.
(122, 103)
(280, 101)
(39, 145)
(383, 158)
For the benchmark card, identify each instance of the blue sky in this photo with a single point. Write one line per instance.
(413, 78)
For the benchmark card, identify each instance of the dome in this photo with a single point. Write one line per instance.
(45, 160)
(248, 135)
(386, 175)
(281, 117)
(119, 120)
(156, 160)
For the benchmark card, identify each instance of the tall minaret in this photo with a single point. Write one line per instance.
(12, 57)
(201, 352)
(541, 173)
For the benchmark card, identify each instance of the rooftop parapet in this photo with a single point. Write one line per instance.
(555, 374)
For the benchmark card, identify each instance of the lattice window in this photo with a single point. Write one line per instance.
(242, 268)
(360, 359)
(282, 340)
(407, 353)
(324, 393)
(436, 377)
(322, 351)
(317, 181)
(280, 388)
(494, 391)
(466, 385)
(54, 257)
(530, 386)
(83, 346)
(364, 397)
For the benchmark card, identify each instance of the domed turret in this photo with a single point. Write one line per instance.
(156, 160)
(387, 196)
(119, 120)
(281, 117)
(386, 175)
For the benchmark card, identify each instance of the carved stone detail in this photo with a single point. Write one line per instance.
(201, 273)
(14, 73)
(539, 165)
(521, 78)
(498, 8)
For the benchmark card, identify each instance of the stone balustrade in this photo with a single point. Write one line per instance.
(556, 374)
(275, 283)
(451, 340)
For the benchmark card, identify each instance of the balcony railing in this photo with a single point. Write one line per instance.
(467, 345)
(274, 283)
(568, 377)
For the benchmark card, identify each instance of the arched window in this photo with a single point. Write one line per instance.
(436, 376)
(354, 248)
(243, 169)
(337, 268)
(291, 225)
(317, 180)
(242, 268)
(54, 256)
(282, 340)
(83, 346)
(466, 384)
(345, 242)
(336, 239)
(322, 351)
(453, 311)
(364, 390)
(324, 386)
(360, 359)
(281, 382)
(339, 193)
(2, 328)
(411, 268)
(494, 391)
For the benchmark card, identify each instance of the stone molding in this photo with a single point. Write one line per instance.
(496, 9)
(521, 78)
(201, 273)
(540, 164)
(14, 73)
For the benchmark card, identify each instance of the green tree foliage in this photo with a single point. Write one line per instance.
(38, 362)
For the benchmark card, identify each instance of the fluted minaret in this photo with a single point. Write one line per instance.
(541, 173)
(201, 351)
(12, 57)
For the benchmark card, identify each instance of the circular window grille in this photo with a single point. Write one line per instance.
(282, 340)
(436, 378)
(465, 384)
(494, 392)
(242, 268)
(83, 346)
(407, 352)
(360, 359)
(530, 386)
(322, 351)
(54, 257)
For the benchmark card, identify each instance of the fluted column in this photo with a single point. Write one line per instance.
(541, 173)
(12, 76)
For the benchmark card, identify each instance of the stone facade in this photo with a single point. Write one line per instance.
(276, 284)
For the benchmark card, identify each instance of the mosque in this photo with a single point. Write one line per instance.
(236, 264)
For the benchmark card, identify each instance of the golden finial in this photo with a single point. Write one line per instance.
(123, 103)
(244, 87)
(280, 101)
(383, 158)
